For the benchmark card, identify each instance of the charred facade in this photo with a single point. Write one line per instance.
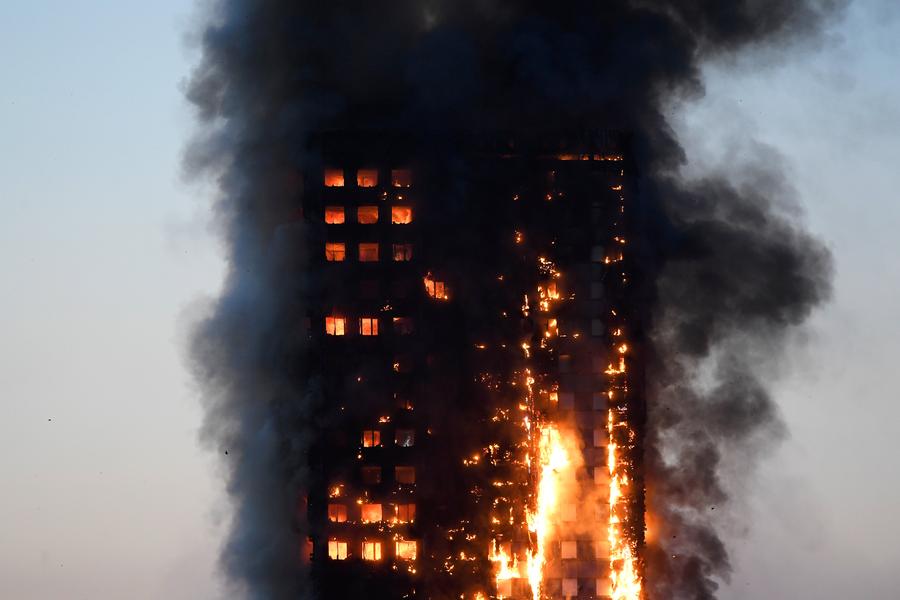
(475, 333)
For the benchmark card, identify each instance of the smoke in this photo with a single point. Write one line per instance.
(728, 271)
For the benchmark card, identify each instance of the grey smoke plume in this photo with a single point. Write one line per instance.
(728, 274)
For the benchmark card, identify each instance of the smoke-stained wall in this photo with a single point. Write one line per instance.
(726, 273)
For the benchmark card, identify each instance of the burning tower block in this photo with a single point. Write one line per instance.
(472, 332)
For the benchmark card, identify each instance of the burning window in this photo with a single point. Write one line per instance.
(401, 215)
(405, 550)
(601, 476)
(405, 475)
(334, 215)
(371, 438)
(335, 325)
(337, 513)
(335, 251)
(600, 438)
(371, 513)
(405, 513)
(552, 327)
(337, 550)
(368, 252)
(604, 588)
(371, 550)
(435, 289)
(403, 325)
(567, 512)
(367, 215)
(402, 252)
(368, 326)
(401, 178)
(569, 588)
(371, 475)
(405, 438)
(568, 550)
(334, 178)
(367, 178)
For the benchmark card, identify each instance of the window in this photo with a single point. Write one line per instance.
(435, 289)
(371, 513)
(569, 588)
(401, 215)
(371, 550)
(597, 327)
(366, 215)
(405, 475)
(601, 476)
(335, 251)
(371, 475)
(599, 400)
(402, 252)
(368, 288)
(405, 549)
(334, 215)
(371, 438)
(401, 178)
(596, 290)
(337, 513)
(568, 512)
(368, 252)
(405, 438)
(597, 254)
(405, 513)
(337, 550)
(568, 550)
(552, 327)
(603, 587)
(367, 177)
(566, 400)
(403, 325)
(600, 438)
(368, 326)
(505, 588)
(334, 178)
(335, 325)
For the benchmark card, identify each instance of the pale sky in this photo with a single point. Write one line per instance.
(106, 493)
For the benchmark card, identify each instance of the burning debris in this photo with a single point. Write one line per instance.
(455, 353)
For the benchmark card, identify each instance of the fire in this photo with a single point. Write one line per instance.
(505, 565)
(552, 459)
(625, 582)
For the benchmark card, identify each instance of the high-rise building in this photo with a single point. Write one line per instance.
(476, 356)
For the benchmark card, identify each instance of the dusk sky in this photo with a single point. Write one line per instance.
(106, 253)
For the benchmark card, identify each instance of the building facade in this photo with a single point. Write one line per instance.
(471, 305)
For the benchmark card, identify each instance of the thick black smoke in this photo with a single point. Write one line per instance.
(729, 272)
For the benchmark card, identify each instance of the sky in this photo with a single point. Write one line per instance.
(105, 491)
